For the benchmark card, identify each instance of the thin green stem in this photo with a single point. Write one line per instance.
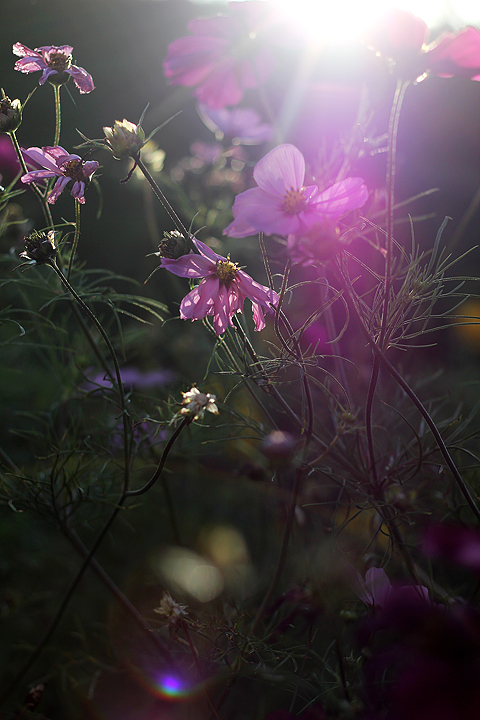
(76, 238)
(98, 325)
(166, 205)
(58, 114)
(41, 197)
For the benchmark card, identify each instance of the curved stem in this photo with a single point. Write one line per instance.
(76, 238)
(98, 325)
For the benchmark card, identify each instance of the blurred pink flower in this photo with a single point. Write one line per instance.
(222, 291)
(55, 61)
(242, 125)
(281, 204)
(458, 544)
(377, 591)
(224, 55)
(58, 163)
(400, 36)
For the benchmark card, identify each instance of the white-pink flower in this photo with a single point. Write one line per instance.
(55, 62)
(222, 291)
(58, 163)
(283, 205)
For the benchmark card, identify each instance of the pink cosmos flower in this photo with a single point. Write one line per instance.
(58, 163)
(400, 36)
(222, 291)
(281, 204)
(224, 56)
(377, 590)
(242, 125)
(55, 62)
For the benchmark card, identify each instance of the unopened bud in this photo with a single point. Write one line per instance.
(173, 245)
(39, 247)
(10, 114)
(125, 139)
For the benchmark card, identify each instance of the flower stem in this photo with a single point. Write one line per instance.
(58, 114)
(383, 339)
(41, 197)
(166, 205)
(76, 238)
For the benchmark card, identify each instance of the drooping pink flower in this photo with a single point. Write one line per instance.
(55, 62)
(242, 125)
(282, 205)
(224, 55)
(377, 591)
(58, 163)
(222, 291)
(400, 36)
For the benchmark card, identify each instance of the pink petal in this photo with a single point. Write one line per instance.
(338, 199)
(24, 51)
(258, 317)
(57, 152)
(82, 79)
(221, 316)
(457, 55)
(60, 185)
(89, 168)
(199, 301)
(41, 157)
(207, 252)
(35, 175)
(191, 59)
(78, 191)
(46, 74)
(398, 31)
(29, 65)
(255, 291)
(255, 208)
(47, 49)
(191, 266)
(282, 169)
(222, 86)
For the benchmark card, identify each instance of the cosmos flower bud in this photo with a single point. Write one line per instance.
(172, 611)
(39, 247)
(10, 114)
(195, 403)
(125, 139)
(278, 446)
(173, 245)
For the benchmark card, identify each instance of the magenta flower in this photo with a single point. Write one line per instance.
(242, 125)
(375, 589)
(282, 205)
(460, 545)
(58, 163)
(224, 56)
(55, 63)
(400, 36)
(222, 291)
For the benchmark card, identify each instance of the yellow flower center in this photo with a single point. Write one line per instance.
(73, 169)
(59, 61)
(294, 202)
(226, 271)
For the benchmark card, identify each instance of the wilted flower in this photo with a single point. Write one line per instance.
(195, 403)
(281, 204)
(242, 125)
(222, 291)
(39, 247)
(10, 114)
(172, 246)
(59, 163)
(400, 37)
(171, 610)
(124, 139)
(224, 56)
(55, 63)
